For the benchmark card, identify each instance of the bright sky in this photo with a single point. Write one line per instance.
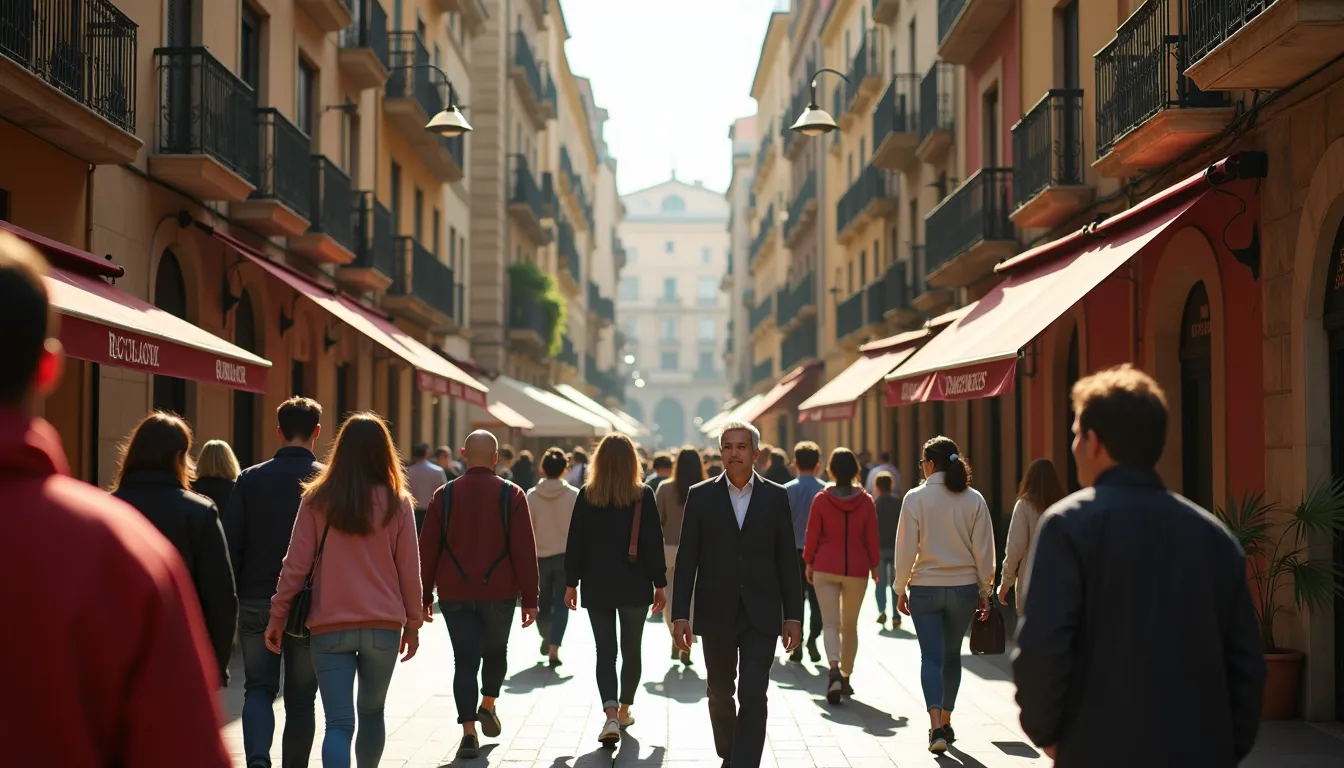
(674, 74)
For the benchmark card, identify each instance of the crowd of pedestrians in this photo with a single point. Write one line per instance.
(329, 570)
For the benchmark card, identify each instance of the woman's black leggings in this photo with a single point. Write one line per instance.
(604, 634)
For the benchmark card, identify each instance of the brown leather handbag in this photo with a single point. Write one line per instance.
(988, 636)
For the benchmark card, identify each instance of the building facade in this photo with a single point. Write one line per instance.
(736, 277)
(672, 313)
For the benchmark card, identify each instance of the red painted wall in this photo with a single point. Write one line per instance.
(1002, 45)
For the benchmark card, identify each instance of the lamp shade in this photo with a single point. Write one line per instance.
(449, 123)
(814, 121)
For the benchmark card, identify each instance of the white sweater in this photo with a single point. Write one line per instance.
(944, 539)
(1020, 547)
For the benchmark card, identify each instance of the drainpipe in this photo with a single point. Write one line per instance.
(88, 208)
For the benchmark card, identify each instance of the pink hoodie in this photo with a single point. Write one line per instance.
(361, 582)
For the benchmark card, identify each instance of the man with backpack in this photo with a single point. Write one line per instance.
(477, 548)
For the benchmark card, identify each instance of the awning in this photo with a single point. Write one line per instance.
(433, 372)
(64, 256)
(976, 356)
(598, 409)
(835, 401)
(551, 415)
(730, 414)
(777, 395)
(501, 415)
(631, 420)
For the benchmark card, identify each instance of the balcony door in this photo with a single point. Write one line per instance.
(1196, 352)
(1070, 127)
(170, 295)
(180, 119)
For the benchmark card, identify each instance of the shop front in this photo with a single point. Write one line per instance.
(772, 414)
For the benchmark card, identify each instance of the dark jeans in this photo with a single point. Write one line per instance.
(942, 615)
(604, 637)
(479, 631)
(340, 657)
(739, 663)
(261, 671)
(886, 576)
(814, 625)
(552, 615)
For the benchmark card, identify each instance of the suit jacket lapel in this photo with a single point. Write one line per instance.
(757, 482)
(725, 492)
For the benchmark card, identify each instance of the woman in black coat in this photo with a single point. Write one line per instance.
(154, 477)
(615, 585)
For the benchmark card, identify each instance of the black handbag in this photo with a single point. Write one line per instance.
(296, 624)
(988, 637)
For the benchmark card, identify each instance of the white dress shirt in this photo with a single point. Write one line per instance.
(741, 498)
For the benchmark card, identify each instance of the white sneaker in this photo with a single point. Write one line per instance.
(611, 732)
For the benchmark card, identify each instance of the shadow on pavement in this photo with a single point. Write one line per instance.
(1016, 748)
(855, 713)
(680, 684)
(900, 633)
(628, 754)
(482, 759)
(602, 757)
(989, 667)
(955, 757)
(539, 676)
(799, 677)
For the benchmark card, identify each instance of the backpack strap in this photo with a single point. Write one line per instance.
(446, 509)
(505, 515)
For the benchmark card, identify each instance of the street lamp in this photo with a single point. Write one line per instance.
(448, 123)
(816, 121)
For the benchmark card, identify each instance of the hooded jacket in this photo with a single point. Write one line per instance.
(551, 504)
(842, 534)
(121, 633)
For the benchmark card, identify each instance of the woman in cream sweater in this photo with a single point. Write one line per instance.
(1040, 488)
(945, 557)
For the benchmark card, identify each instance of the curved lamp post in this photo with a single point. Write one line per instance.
(815, 121)
(448, 123)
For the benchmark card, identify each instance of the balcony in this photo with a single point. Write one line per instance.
(871, 197)
(206, 139)
(760, 313)
(533, 81)
(802, 210)
(1261, 44)
(68, 75)
(799, 347)
(924, 298)
(570, 263)
(364, 45)
(529, 324)
(842, 119)
(282, 203)
(762, 372)
(796, 303)
(849, 317)
(330, 238)
(896, 124)
(618, 251)
(885, 11)
(965, 26)
(865, 75)
(529, 204)
(601, 307)
(1148, 113)
(423, 288)
(1048, 181)
(329, 15)
(889, 298)
(765, 158)
(764, 235)
(969, 231)
(472, 13)
(568, 356)
(416, 92)
(374, 263)
(937, 91)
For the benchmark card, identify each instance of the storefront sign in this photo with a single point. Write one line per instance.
(906, 391)
(85, 339)
(439, 385)
(965, 383)
(837, 412)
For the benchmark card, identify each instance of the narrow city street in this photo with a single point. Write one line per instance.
(551, 717)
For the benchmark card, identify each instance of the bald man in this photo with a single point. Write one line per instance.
(477, 549)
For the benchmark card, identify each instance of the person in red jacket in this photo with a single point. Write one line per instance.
(117, 670)
(841, 552)
(478, 548)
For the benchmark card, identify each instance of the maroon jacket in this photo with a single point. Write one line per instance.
(476, 538)
(116, 668)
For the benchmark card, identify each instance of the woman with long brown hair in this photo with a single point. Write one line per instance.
(155, 476)
(1039, 489)
(615, 550)
(687, 470)
(355, 535)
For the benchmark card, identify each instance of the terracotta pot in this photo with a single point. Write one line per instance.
(1281, 685)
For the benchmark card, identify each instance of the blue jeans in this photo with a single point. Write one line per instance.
(886, 575)
(552, 615)
(338, 657)
(261, 673)
(942, 615)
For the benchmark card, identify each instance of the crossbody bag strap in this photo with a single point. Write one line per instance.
(505, 514)
(446, 508)
(632, 554)
(317, 556)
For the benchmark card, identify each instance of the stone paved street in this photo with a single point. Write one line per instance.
(551, 718)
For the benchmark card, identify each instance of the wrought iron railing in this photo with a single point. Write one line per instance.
(897, 109)
(568, 355)
(568, 248)
(418, 273)
(368, 29)
(601, 306)
(805, 195)
(794, 299)
(760, 312)
(374, 244)
(849, 315)
(335, 206)
(1140, 73)
(1048, 145)
(524, 190)
(867, 62)
(890, 292)
(524, 58)
(767, 226)
(204, 109)
(873, 184)
(977, 211)
(763, 148)
(762, 371)
(936, 89)
(526, 312)
(411, 76)
(85, 49)
(1213, 21)
(948, 11)
(283, 162)
(798, 346)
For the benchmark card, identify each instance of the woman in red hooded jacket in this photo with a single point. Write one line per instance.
(841, 553)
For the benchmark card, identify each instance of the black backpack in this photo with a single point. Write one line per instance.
(446, 509)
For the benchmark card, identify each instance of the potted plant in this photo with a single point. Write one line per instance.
(1277, 557)
(528, 278)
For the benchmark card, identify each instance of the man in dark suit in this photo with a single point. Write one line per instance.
(737, 556)
(1138, 600)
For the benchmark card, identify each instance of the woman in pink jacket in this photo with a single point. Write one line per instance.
(841, 552)
(355, 532)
